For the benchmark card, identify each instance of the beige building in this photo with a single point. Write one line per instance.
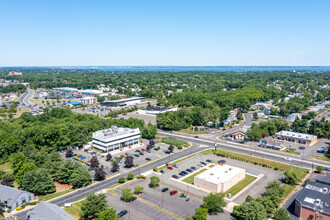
(219, 178)
(89, 100)
(295, 137)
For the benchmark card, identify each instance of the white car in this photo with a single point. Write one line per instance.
(287, 158)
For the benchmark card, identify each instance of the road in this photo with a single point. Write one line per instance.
(24, 100)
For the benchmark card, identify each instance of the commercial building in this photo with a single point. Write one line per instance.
(219, 178)
(295, 137)
(13, 198)
(115, 138)
(74, 104)
(49, 211)
(124, 102)
(89, 100)
(155, 110)
(14, 73)
(313, 201)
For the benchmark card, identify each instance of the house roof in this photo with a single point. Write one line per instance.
(296, 135)
(48, 211)
(10, 194)
(316, 196)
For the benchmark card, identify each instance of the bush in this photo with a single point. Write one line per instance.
(264, 165)
(8, 210)
(319, 169)
(307, 181)
(19, 208)
(130, 176)
(121, 179)
(180, 147)
(275, 168)
(166, 164)
(141, 177)
(154, 169)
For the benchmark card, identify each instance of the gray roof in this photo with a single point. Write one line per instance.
(10, 194)
(48, 211)
(315, 195)
(124, 100)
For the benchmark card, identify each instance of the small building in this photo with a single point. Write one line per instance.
(260, 105)
(49, 211)
(14, 73)
(313, 201)
(115, 138)
(274, 144)
(219, 178)
(293, 116)
(13, 198)
(74, 104)
(238, 135)
(296, 137)
(124, 102)
(155, 110)
(89, 100)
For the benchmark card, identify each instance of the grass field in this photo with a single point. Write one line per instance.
(188, 131)
(190, 179)
(240, 185)
(291, 151)
(175, 142)
(53, 195)
(324, 158)
(75, 210)
(177, 161)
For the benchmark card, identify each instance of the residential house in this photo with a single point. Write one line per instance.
(293, 116)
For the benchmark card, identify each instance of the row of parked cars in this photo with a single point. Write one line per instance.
(188, 170)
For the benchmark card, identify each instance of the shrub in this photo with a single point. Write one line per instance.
(275, 168)
(121, 179)
(307, 181)
(19, 208)
(166, 164)
(155, 169)
(130, 176)
(8, 210)
(141, 177)
(264, 165)
(319, 169)
(180, 147)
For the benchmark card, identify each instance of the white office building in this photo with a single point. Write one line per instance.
(114, 138)
(89, 100)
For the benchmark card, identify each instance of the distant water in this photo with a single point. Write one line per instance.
(213, 68)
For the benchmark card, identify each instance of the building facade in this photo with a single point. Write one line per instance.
(13, 198)
(219, 178)
(115, 138)
(89, 100)
(124, 102)
(295, 137)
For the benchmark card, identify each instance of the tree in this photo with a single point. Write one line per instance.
(69, 153)
(126, 195)
(24, 168)
(250, 211)
(17, 160)
(93, 205)
(121, 179)
(255, 115)
(171, 148)
(108, 214)
(94, 162)
(108, 157)
(239, 115)
(65, 170)
(281, 214)
(138, 189)
(291, 178)
(130, 176)
(214, 202)
(319, 169)
(38, 181)
(7, 181)
(129, 162)
(115, 166)
(80, 177)
(200, 214)
(99, 174)
(154, 181)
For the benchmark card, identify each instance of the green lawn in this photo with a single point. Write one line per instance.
(188, 131)
(190, 179)
(53, 195)
(322, 158)
(175, 142)
(177, 161)
(75, 210)
(291, 151)
(240, 185)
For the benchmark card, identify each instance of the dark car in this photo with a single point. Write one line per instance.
(148, 159)
(162, 171)
(193, 168)
(189, 170)
(224, 129)
(326, 168)
(164, 189)
(175, 177)
(203, 163)
(184, 172)
(196, 136)
(136, 155)
(209, 161)
(122, 213)
(141, 153)
(75, 155)
(301, 148)
(149, 151)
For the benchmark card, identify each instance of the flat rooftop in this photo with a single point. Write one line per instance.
(296, 135)
(113, 132)
(158, 108)
(124, 100)
(219, 174)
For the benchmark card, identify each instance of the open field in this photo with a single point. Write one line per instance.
(188, 131)
(175, 142)
(291, 151)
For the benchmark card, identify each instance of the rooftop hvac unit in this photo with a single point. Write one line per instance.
(230, 168)
(226, 171)
(325, 190)
(211, 174)
(317, 202)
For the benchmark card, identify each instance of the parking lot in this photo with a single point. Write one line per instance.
(139, 158)
(146, 118)
(255, 190)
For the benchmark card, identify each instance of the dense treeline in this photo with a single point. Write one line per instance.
(55, 130)
(12, 88)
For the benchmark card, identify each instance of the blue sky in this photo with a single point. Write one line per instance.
(164, 32)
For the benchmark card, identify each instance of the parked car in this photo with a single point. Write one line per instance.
(143, 149)
(126, 154)
(189, 170)
(322, 150)
(162, 171)
(203, 163)
(326, 168)
(184, 172)
(149, 151)
(209, 161)
(193, 168)
(122, 213)
(196, 136)
(287, 158)
(141, 153)
(164, 189)
(301, 148)
(175, 165)
(175, 177)
(136, 155)
(170, 168)
(173, 192)
(148, 159)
